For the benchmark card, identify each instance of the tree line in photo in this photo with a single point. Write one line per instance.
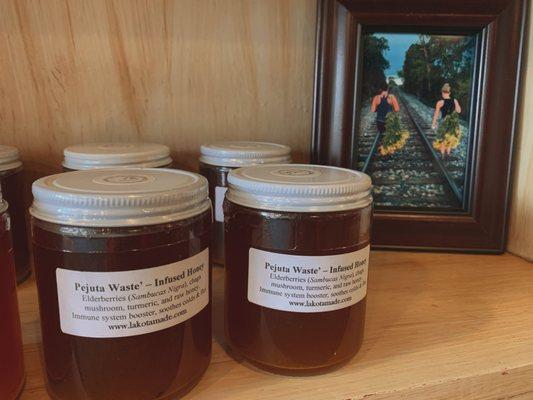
(429, 63)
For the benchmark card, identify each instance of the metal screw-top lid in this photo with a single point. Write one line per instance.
(119, 197)
(242, 153)
(114, 155)
(299, 188)
(9, 158)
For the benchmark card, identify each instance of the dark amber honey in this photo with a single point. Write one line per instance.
(150, 366)
(216, 176)
(123, 274)
(11, 359)
(281, 340)
(297, 248)
(12, 182)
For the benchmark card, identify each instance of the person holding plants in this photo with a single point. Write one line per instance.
(449, 131)
(445, 106)
(382, 104)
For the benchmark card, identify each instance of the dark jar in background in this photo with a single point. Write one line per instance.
(11, 357)
(297, 248)
(116, 155)
(122, 267)
(13, 191)
(217, 159)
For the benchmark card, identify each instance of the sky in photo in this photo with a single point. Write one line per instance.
(399, 44)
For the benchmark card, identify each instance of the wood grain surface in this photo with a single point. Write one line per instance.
(521, 221)
(439, 327)
(176, 72)
(180, 72)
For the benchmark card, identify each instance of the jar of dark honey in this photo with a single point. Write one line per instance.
(297, 248)
(12, 186)
(11, 358)
(123, 275)
(217, 159)
(116, 155)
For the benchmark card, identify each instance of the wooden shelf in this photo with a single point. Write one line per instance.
(439, 326)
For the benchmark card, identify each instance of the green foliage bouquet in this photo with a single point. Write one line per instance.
(395, 136)
(449, 134)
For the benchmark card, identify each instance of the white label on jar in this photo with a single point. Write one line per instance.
(220, 192)
(130, 303)
(307, 283)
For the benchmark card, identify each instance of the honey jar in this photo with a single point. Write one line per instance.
(217, 159)
(11, 358)
(297, 253)
(12, 186)
(123, 274)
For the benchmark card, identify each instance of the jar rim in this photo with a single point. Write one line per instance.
(242, 153)
(9, 158)
(116, 154)
(119, 197)
(299, 188)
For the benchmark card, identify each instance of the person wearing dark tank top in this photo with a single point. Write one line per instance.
(445, 106)
(382, 104)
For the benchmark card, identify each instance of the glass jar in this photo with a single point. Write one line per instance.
(116, 155)
(218, 159)
(11, 357)
(12, 186)
(123, 274)
(297, 248)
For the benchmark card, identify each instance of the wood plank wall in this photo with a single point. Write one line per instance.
(520, 239)
(179, 72)
(176, 72)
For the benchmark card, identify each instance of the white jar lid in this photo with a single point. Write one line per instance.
(242, 153)
(113, 155)
(9, 158)
(299, 188)
(119, 197)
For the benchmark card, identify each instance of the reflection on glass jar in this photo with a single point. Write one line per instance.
(122, 267)
(218, 159)
(297, 248)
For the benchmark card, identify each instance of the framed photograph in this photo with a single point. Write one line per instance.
(422, 96)
(416, 110)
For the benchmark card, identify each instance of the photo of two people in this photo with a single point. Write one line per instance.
(414, 135)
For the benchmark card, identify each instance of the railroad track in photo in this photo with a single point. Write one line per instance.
(415, 176)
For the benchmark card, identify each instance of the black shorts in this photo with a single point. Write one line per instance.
(381, 126)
